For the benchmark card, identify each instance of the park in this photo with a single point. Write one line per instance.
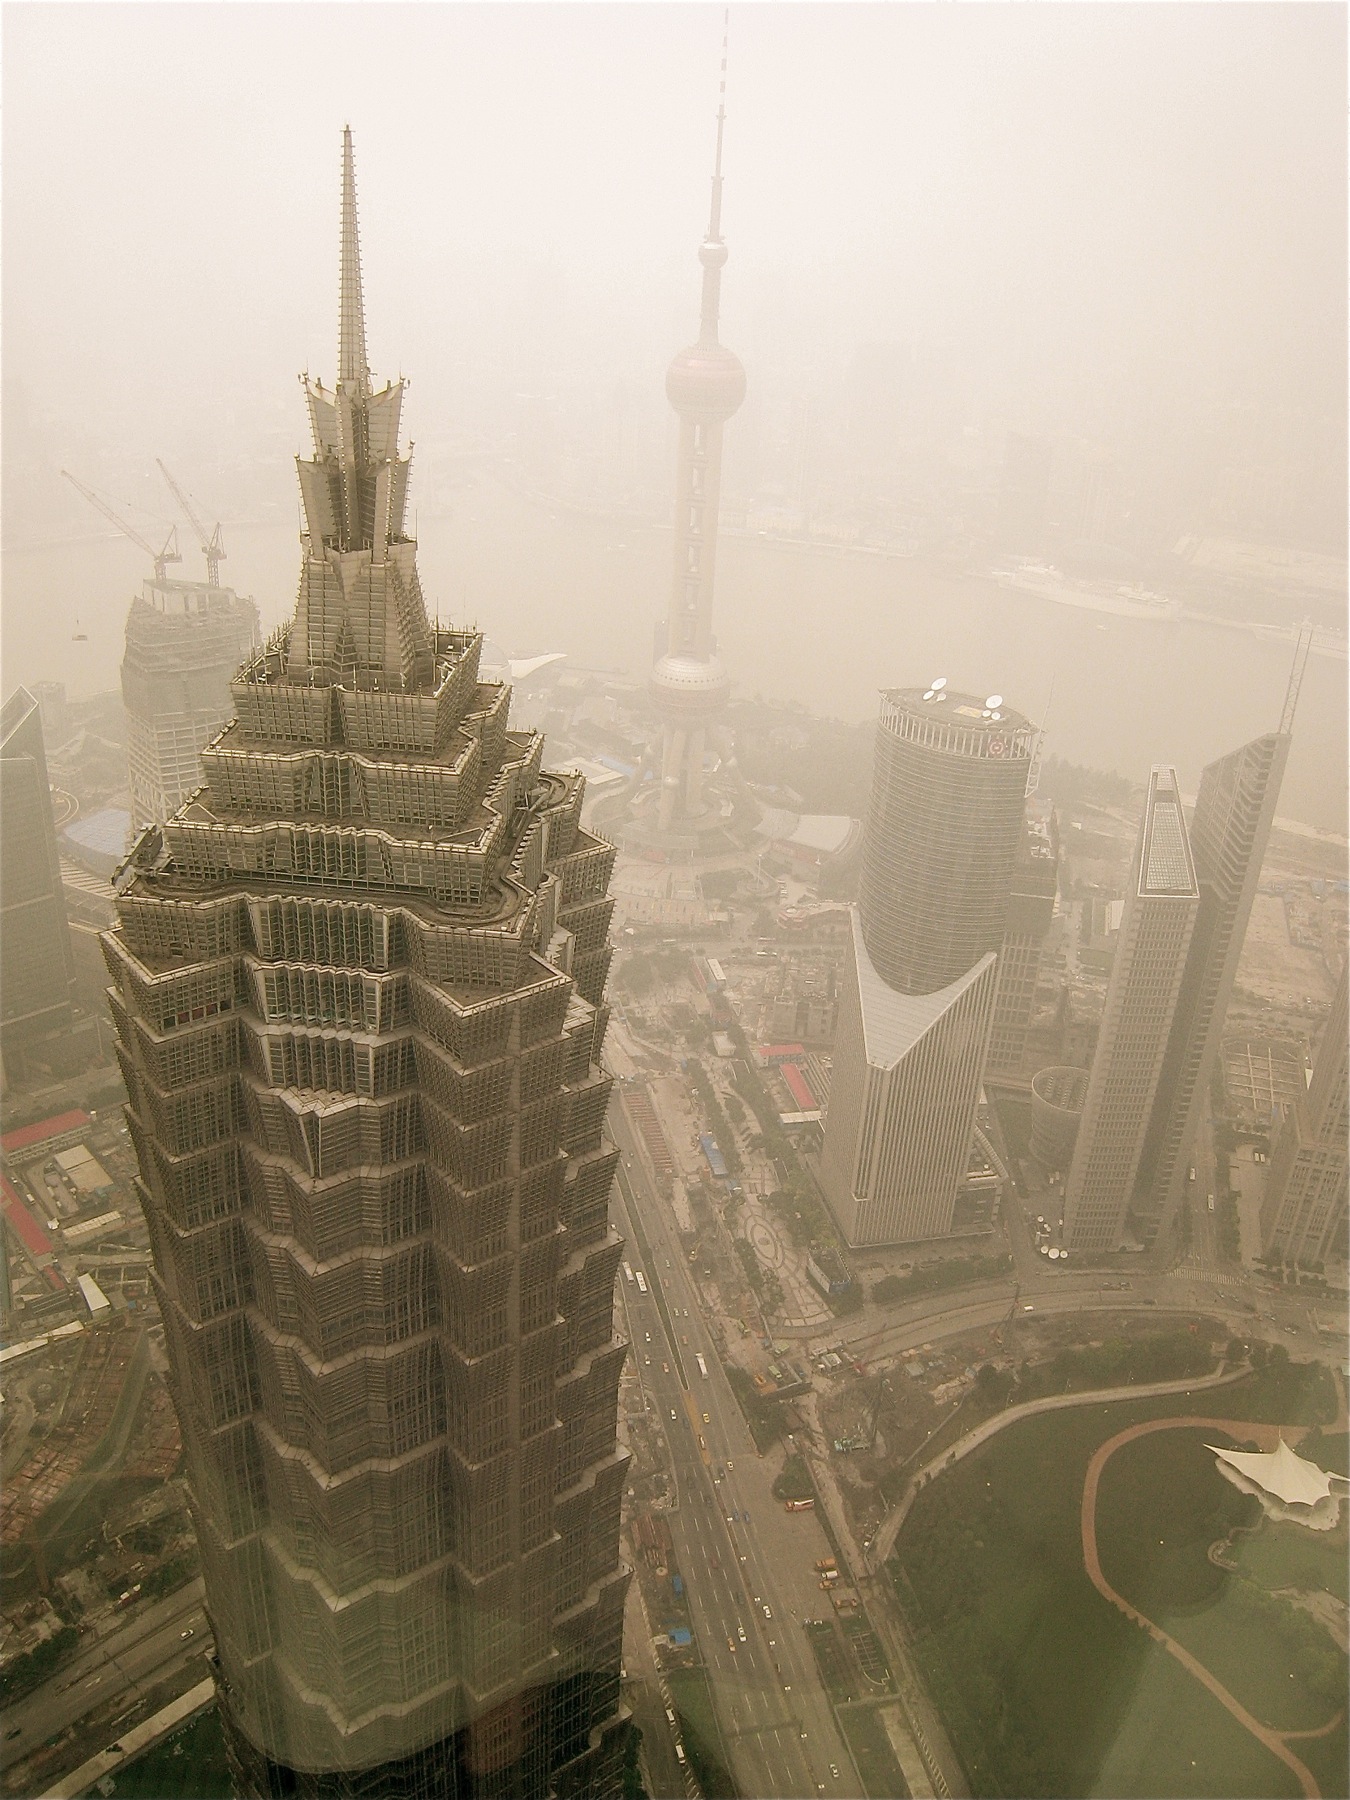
(1098, 1611)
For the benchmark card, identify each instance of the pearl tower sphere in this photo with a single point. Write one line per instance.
(705, 384)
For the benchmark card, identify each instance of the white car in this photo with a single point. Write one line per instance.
(768, 1610)
(740, 1632)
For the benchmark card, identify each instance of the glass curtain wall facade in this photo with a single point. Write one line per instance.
(1155, 933)
(1303, 1212)
(1230, 829)
(37, 965)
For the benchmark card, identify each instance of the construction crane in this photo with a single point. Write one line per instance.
(162, 558)
(212, 548)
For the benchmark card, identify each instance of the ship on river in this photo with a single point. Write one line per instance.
(1124, 601)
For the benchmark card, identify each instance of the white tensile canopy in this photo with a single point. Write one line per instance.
(1281, 1472)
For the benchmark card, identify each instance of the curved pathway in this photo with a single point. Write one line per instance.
(1242, 1430)
(884, 1541)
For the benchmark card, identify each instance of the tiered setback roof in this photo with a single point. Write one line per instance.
(358, 983)
(1165, 865)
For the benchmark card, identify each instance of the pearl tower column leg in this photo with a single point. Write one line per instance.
(693, 763)
(671, 766)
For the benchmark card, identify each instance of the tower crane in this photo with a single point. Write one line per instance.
(170, 552)
(212, 548)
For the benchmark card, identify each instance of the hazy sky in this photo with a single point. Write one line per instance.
(1137, 212)
(1126, 223)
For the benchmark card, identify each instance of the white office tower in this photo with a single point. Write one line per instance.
(943, 830)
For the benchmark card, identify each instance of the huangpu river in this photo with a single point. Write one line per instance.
(823, 627)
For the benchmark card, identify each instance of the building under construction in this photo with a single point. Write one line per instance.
(358, 983)
(184, 642)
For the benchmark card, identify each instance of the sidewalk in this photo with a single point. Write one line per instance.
(139, 1738)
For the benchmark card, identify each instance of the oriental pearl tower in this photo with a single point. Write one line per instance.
(705, 384)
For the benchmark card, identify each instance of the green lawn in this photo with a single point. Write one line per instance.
(1175, 1738)
(1161, 1504)
(1289, 1556)
(1046, 1689)
(187, 1765)
(872, 1753)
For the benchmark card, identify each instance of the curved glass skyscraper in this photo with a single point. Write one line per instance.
(943, 832)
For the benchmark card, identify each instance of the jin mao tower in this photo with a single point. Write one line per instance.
(705, 384)
(358, 981)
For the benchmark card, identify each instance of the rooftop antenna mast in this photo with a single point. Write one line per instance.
(168, 554)
(1302, 649)
(352, 365)
(714, 251)
(213, 549)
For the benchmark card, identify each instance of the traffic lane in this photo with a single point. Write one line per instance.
(782, 1550)
(1173, 1295)
(761, 1680)
(757, 1730)
(144, 1622)
(708, 1551)
(102, 1670)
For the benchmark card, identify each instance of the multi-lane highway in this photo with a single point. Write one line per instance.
(159, 1640)
(748, 1566)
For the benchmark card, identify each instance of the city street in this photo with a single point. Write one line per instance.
(737, 1548)
(114, 1672)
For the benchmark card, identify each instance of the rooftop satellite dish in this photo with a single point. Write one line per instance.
(994, 700)
(929, 694)
(941, 682)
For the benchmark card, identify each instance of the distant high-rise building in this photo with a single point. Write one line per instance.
(358, 985)
(51, 699)
(184, 642)
(1161, 904)
(943, 830)
(1031, 909)
(37, 965)
(1229, 833)
(1023, 493)
(1303, 1212)
(705, 384)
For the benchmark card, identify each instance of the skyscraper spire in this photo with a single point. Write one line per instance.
(352, 366)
